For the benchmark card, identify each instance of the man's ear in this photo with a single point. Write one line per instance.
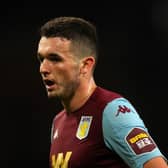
(87, 64)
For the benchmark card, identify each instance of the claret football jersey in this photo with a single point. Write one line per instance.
(106, 132)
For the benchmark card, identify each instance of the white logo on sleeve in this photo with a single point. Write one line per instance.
(55, 134)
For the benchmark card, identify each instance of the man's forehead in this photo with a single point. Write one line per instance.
(54, 43)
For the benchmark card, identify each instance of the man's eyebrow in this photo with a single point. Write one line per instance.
(51, 56)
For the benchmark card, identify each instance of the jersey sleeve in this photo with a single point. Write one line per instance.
(125, 133)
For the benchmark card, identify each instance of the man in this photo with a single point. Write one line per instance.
(97, 127)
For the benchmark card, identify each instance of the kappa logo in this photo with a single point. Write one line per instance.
(84, 126)
(55, 134)
(123, 109)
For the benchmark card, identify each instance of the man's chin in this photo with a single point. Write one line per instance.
(52, 95)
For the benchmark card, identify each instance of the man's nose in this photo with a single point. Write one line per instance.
(45, 67)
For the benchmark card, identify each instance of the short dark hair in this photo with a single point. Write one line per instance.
(82, 33)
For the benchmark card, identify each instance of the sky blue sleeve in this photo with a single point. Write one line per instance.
(125, 133)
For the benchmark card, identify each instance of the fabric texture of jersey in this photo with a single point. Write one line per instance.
(105, 132)
(120, 119)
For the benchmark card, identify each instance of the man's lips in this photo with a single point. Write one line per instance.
(49, 83)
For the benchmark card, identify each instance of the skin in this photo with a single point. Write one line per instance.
(157, 162)
(72, 78)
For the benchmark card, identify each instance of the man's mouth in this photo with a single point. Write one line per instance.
(49, 83)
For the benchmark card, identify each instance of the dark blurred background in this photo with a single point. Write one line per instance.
(133, 48)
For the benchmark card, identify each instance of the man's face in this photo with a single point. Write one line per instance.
(59, 68)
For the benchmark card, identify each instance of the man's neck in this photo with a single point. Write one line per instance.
(80, 97)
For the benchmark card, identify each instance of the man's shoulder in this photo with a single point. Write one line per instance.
(101, 97)
(106, 95)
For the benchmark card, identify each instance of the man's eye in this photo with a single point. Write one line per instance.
(55, 59)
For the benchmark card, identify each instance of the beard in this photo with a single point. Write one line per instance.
(64, 91)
